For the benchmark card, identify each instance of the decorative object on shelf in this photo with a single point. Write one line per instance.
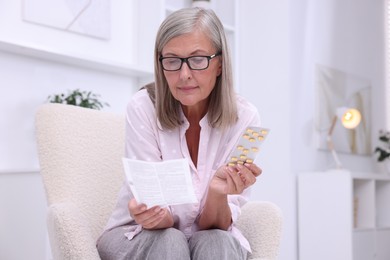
(383, 150)
(355, 211)
(337, 88)
(79, 98)
(350, 118)
(201, 3)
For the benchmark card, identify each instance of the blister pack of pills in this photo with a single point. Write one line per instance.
(248, 146)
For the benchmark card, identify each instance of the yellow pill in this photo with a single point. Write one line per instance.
(249, 161)
(233, 159)
(246, 136)
(255, 149)
(240, 147)
(245, 151)
(252, 139)
(261, 138)
(264, 132)
(240, 162)
(255, 134)
(249, 130)
(243, 156)
(231, 164)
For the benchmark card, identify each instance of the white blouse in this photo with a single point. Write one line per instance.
(145, 140)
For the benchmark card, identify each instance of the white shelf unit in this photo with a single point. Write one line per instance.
(343, 215)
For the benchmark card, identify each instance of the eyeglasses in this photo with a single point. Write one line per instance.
(193, 62)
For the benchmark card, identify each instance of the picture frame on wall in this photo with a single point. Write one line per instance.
(86, 17)
(336, 88)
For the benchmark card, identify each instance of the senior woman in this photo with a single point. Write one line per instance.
(191, 111)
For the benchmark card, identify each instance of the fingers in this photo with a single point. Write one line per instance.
(247, 176)
(148, 218)
(154, 217)
(256, 170)
(135, 208)
(235, 185)
(241, 177)
(234, 179)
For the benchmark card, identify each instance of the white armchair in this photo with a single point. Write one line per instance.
(80, 152)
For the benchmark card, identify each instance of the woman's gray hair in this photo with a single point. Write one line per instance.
(222, 111)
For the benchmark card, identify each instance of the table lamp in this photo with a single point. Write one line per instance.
(350, 118)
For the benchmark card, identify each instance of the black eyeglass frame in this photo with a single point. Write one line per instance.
(186, 61)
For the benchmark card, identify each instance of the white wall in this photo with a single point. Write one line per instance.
(26, 83)
(346, 35)
(265, 79)
(281, 41)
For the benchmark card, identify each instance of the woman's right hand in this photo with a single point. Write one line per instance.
(153, 218)
(234, 179)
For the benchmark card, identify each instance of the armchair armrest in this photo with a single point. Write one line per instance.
(261, 223)
(70, 238)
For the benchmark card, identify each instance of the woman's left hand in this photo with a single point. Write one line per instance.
(234, 179)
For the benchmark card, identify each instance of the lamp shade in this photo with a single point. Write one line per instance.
(350, 117)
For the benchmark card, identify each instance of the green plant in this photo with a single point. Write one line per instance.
(79, 98)
(384, 150)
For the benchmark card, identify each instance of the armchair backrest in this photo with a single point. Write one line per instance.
(80, 153)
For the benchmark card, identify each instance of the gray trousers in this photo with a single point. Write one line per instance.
(170, 244)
